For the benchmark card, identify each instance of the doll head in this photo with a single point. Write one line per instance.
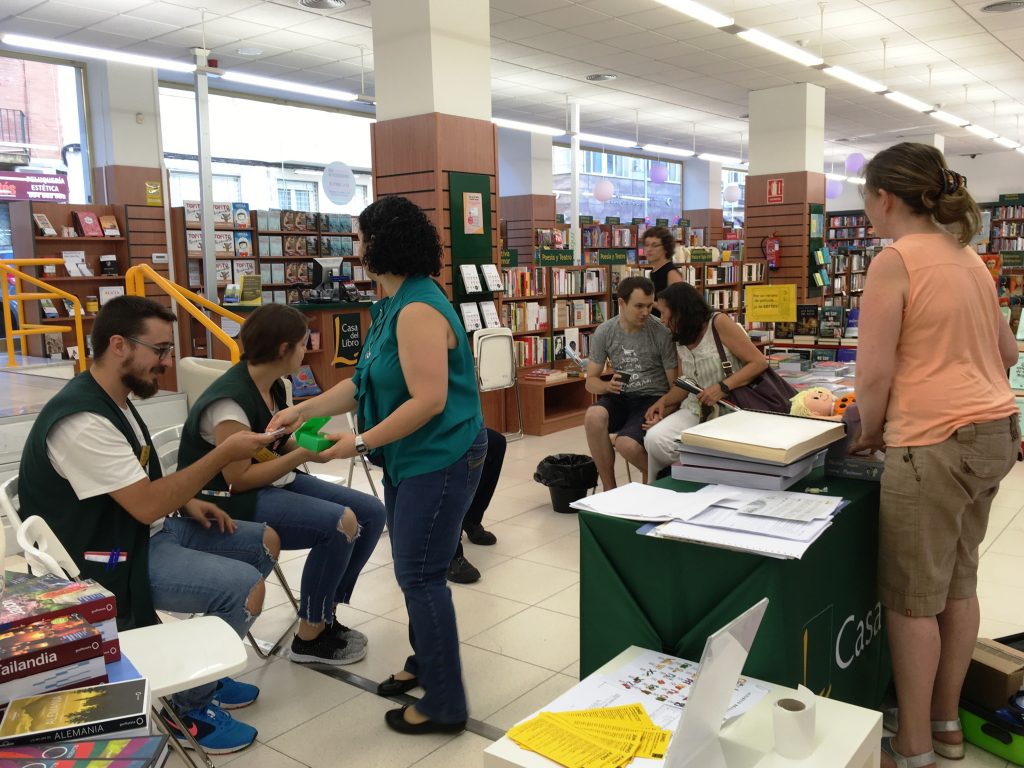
(816, 402)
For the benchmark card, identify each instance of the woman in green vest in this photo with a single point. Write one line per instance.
(340, 526)
(418, 407)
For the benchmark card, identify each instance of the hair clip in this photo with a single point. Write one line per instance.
(952, 181)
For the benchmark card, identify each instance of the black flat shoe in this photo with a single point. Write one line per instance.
(393, 686)
(395, 718)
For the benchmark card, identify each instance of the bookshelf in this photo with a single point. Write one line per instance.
(98, 254)
(1006, 230)
(848, 273)
(850, 229)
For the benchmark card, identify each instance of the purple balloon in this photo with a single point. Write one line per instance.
(854, 163)
(659, 172)
(833, 188)
(603, 191)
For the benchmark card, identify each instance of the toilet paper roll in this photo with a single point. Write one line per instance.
(794, 725)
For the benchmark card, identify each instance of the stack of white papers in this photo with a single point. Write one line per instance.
(637, 501)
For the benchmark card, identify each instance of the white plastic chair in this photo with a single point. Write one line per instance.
(9, 506)
(172, 657)
(495, 356)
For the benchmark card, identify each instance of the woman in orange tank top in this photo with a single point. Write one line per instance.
(932, 390)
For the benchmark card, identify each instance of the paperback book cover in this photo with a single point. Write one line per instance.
(194, 241)
(240, 215)
(49, 310)
(45, 227)
(194, 273)
(110, 708)
(304, 383)
(243, 267)
(470, 316)
(312, 246)
(489, 312)
(831, 322)
(852, 323)
(74, 263)
(470, 278)
(45, 645)
(784, 331)
(262, 220)
(87, 223)
(121, 753)
(492, 277)
(345, 245)
(90, 671)
(276, 246)
(51, 597)
(223, 243)
(274, 220)
(193, 212)
(277, 273)
(222, 214)
(109, 226)
(806, 320)
(108, 292)
(223, 268)
(287, 221)
(243, 245)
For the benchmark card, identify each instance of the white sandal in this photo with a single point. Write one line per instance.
(903, 761)
(890, 721)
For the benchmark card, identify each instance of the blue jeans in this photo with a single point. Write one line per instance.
(425, 515)
(193, 569)
(306, 513)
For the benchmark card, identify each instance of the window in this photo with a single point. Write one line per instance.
(185, 186)
(297, 195)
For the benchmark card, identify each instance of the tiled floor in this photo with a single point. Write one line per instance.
(519, 627)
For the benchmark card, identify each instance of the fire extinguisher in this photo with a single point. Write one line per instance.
(771, 247)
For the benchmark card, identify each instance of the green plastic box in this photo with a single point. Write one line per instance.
(310, 437)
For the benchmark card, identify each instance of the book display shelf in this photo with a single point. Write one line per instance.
(1006, 229)
(848, 273)
(850, 229)
(92, 241)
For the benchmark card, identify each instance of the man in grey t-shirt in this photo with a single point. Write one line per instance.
(644, 360)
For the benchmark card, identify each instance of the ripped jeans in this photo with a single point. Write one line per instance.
(193, 569)
(306, 514)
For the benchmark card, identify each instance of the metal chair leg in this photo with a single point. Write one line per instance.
(181, 726)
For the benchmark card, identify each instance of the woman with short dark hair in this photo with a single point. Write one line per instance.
(418, 407)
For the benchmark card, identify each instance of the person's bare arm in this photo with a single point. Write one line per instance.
(596, 385)
(674, 276)
(244, 475)
(341, 398)
(1008, 349)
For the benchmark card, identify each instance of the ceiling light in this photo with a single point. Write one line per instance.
(663, 150)
(88, 52)
(1004, 142)
(602, 77)
(908, 101)
(836, 177)
(248, 50)
(858, 180)
(985, 133)
(718, 158)
(945, 117)
(782, 48)
(699, 12)
(591, 138)
(516, 125)
(289, 86)
(323, 5)
(839, 73)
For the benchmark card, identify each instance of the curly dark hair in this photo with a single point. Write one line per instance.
(689, 312)
(668, 240)
(398, 238)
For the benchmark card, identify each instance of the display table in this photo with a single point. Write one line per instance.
(823, 627)
(846, 736)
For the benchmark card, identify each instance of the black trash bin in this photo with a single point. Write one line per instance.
(568, 476)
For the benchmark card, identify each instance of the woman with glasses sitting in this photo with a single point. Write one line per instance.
(339, 526)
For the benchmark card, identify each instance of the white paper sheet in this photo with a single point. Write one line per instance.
(636, 501)
(737, 520)
(789, 505)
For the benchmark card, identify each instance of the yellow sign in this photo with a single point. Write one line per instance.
(154, 193)
(770, 304)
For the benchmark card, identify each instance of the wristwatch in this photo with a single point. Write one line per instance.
(361, 447)
(726, 389)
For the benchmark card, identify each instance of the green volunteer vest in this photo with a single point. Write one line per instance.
(98, 524)
(236, 384)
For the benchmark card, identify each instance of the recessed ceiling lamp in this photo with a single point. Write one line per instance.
(718, 158)
(661, 149)
(1004, 6)
(699, 12)
(782, 48)
(591, 138)
(945, 117)
(853, 78)
(323, 5)
(88, 52)
(985, 133)
(517, 125)
(602, 77)
(908, 101)
(248, 50)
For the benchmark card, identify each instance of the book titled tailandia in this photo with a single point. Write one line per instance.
(764, 436)
(100, 710)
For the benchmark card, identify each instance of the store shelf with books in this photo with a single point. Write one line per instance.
(93, 244)
(1006, 229)
(850, 228)
(580, 301)
(848, 273)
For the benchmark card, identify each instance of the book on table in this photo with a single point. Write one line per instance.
(546, 375)
(99, 710)
(764, 436)
(137, 752)
(765, 481)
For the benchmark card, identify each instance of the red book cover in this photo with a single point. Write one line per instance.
(45, 645)
(52, 597)
(87, 223)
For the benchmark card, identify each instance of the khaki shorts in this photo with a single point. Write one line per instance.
(935, 501)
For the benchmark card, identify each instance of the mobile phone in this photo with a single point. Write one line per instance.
(624, 377)
(278, 432)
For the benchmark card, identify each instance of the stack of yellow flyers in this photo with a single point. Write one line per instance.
(609, 737)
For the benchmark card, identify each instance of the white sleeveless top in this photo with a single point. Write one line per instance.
(703, 365)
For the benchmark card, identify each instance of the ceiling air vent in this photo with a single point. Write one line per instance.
(323, 5)
(601, 77)
(1003, 6)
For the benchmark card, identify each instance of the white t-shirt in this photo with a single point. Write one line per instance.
(89, 452)
(227, 409)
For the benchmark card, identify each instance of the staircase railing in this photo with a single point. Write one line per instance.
(13, 267)
(135, 285)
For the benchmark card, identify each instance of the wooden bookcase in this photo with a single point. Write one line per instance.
(1006, 231)
(850, 229)
(848, 273)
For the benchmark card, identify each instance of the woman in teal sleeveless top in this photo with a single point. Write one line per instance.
(415, 394)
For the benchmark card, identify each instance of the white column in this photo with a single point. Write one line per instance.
(702, 184)
(787, 129)
(524, 163)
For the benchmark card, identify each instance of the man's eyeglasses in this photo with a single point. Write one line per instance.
(163, 351)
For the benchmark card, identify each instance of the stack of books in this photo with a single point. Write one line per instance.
(138, 752)
(751, 449)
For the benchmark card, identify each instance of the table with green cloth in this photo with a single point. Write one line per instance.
(823, 627)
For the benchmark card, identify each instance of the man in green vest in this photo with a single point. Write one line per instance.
(89, 469)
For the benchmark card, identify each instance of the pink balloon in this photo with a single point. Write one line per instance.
(854, 163)
(659, 172)
(833, 188)
(603, 191)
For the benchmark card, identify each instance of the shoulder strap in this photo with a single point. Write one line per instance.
(726, 365)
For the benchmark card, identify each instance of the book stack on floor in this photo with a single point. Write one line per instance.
(751, 449)
(139, 752)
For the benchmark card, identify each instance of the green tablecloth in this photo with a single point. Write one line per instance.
(823, 627)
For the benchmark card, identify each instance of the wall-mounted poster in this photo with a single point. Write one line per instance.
(473, 213)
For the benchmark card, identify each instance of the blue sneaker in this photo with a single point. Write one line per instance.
(215, 730)
(231, 694)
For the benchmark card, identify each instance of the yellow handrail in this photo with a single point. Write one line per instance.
(11, 267)
(135, 285)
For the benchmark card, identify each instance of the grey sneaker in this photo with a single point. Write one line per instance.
(339, 631)
(325, 649)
